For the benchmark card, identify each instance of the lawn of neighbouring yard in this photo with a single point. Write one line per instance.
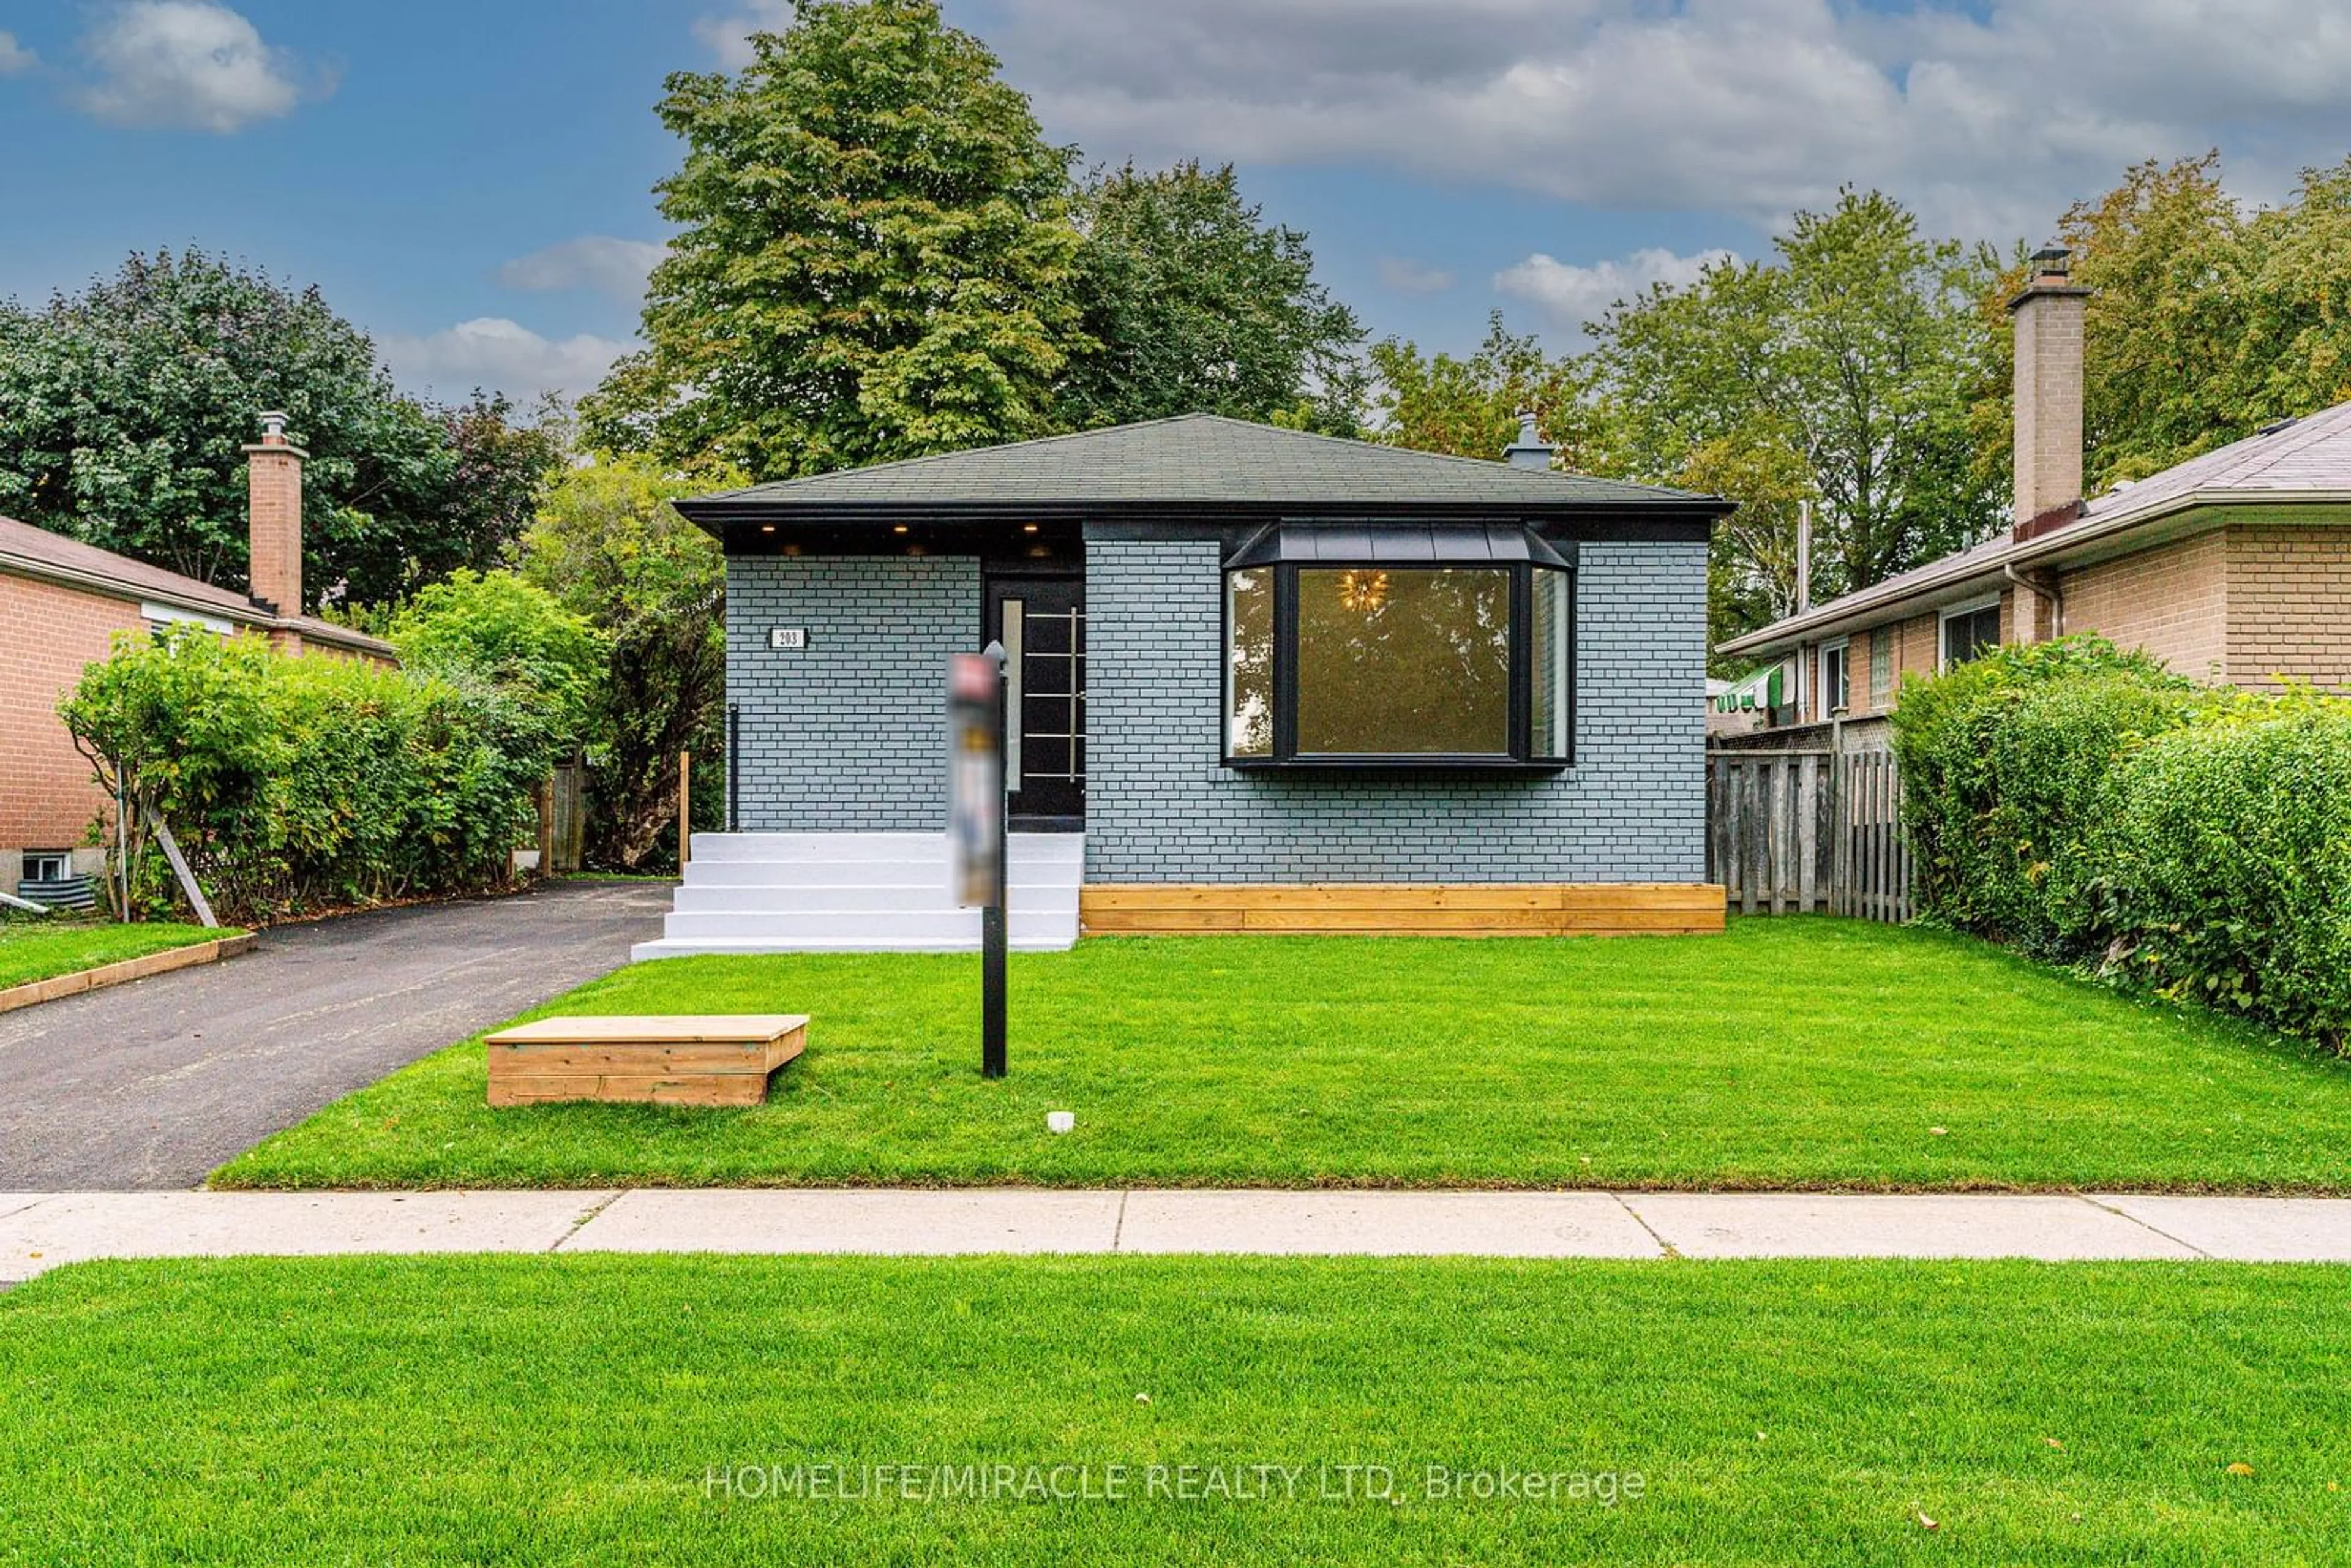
(591, 1410)
(35, 948)
(1789, 1053)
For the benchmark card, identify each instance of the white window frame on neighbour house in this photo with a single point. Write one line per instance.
(1950, 612)
(1836, 696)
(34, 863)
(159, 616)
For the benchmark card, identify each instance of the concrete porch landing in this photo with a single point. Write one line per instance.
(40, 1232)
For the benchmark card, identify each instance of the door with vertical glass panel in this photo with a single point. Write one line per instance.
(1041, 622)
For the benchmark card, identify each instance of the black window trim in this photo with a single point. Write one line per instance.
(1286, 757)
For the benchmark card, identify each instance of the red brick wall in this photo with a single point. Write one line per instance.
(47, 634)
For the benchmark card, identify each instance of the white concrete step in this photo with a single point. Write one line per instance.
(909, 874)
(939, 924)
(774, 893)
(686, 946)
(784, 896)
(799, 849)
(930, 872)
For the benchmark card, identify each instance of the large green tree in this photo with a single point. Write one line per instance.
(1194, 303)
(2168, 255)
(610, 548)
(1468, 406)
(2206, 321)
(124, 410)
(469, 509)
(874, 257)
(1839, 372)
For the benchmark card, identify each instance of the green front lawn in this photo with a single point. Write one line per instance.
(592, 1409)
(37, 947)
(1790, 1053)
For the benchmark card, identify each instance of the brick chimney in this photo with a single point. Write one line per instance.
(1529, 450)
(274, 516)
(2048, 324)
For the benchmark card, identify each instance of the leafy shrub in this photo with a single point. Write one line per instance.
(292, 783)
(2219, 869)
(2086, 806)
(502, 627)
(611, 550)
(2004, 762)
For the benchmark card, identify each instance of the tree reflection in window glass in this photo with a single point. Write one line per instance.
(1402, 662)
(1248, 663)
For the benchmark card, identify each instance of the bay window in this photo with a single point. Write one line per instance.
(1398, 646)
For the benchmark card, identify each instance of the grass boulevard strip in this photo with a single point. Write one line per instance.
(1788, 1054)
(714, 1410)
(31, 952)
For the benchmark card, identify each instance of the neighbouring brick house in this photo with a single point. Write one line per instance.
(63, 603)
(2234, 568)
(1245, 665)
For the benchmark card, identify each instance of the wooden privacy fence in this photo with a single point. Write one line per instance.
(565, 831)
(1793, 832)
(1873, 878)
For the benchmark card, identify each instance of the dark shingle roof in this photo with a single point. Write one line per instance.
(1196, 459)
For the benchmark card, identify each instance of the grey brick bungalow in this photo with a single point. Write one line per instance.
(1264, 680)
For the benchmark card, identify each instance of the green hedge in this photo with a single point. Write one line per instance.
(2221, 870)
(293, 784)
(2003, 760)
(2084, 805)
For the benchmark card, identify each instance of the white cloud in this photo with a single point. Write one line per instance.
(729, 37)
(503, 356)
(1407, 276)
(1571, 295)
(1989, 119)
(614, 267)
(188, 64)
(14, 56)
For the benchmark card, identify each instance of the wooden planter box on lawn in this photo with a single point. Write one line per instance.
(687, 1060)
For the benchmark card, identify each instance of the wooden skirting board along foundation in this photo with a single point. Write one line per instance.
(1404, 909)
(686, 1060)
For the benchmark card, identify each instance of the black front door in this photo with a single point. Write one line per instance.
(1042, 621)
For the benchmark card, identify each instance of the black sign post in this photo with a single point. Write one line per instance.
(976, 826)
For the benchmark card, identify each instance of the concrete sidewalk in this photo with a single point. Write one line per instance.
(42, 1231)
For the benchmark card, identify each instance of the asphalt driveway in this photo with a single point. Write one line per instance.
(153, 1083)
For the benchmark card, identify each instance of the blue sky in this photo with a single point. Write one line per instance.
(470, 182)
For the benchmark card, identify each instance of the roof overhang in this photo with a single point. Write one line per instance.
(2083, 543)
(750, 520)
(713, 513)
(201, 607)
(224, 607)
(1401, 544)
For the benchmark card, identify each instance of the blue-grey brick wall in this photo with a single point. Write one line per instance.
(848, 734)
(1160, 808)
